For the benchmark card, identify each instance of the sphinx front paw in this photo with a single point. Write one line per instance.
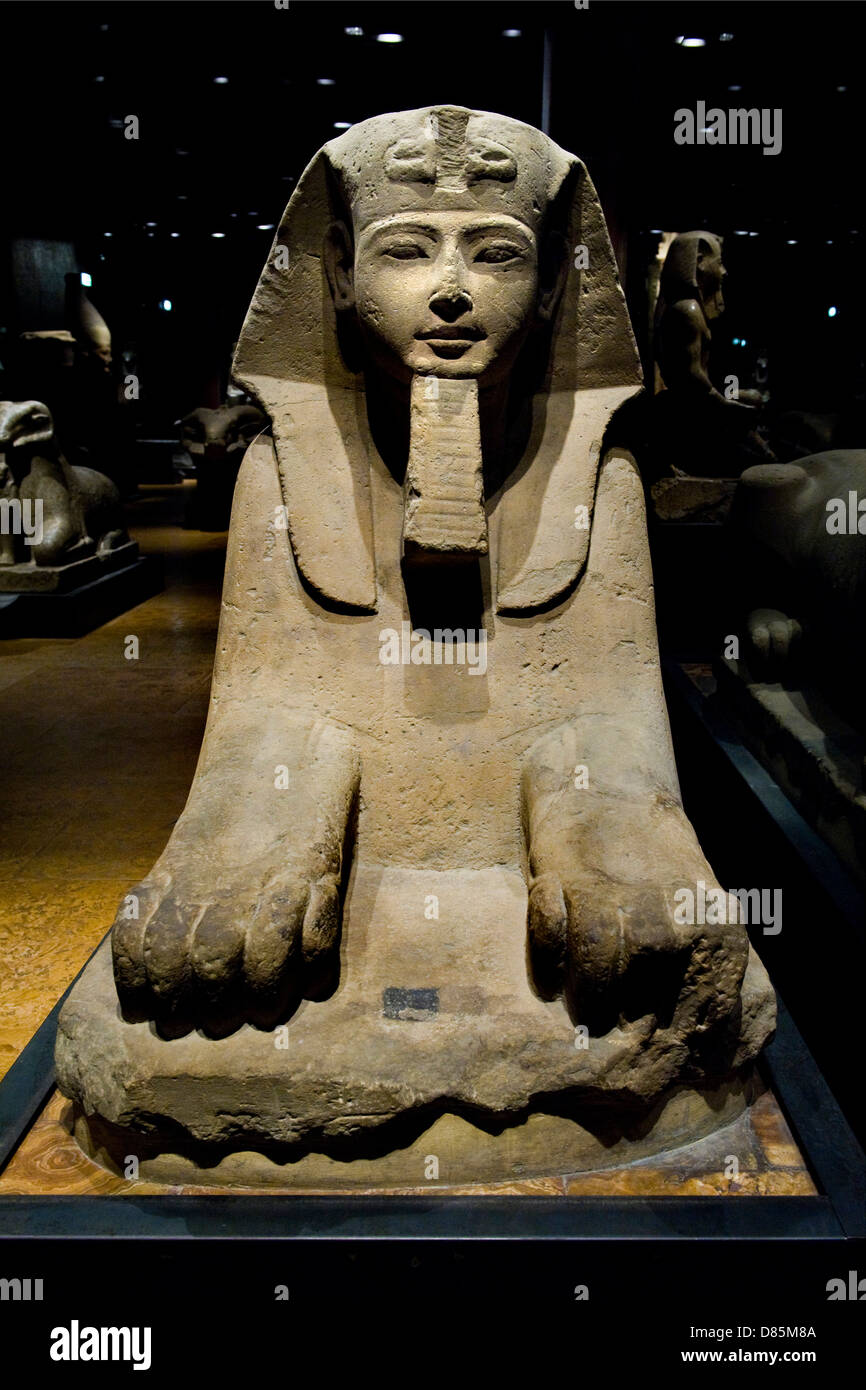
(773, 639)
(616, 951)
(235, 952)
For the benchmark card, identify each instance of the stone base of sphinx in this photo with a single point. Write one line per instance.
(433, 1046)
(70, 600)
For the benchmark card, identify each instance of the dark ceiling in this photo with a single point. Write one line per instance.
(220, 156)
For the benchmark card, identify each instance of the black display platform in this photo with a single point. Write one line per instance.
(79, 611)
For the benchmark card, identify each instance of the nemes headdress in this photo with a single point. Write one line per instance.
(288, 355)
(679, 277)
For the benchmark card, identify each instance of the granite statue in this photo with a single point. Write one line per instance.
(216, 440)
(799, 530)
(68, 514)
(695, 428)
(72, 369)
(429, 860)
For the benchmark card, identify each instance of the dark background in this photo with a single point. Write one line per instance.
(223, 157)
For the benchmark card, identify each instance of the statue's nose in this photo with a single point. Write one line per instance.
(449, 303)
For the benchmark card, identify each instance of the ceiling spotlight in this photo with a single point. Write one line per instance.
(150, 224)
(166, 305)
(725, 38)
(218, 234)
(685, 42)
(792, 241)
(342, 125)
(389, 38)
(741, 234)
(354, 32)
(174, 233)
(753, 233)
(512, 33)
(107, 233)
(221, 81)
(102, 79)
(182, 152)
(735, 87)
(265, 227)
(831, 312)
(838, 89)
(324, 81)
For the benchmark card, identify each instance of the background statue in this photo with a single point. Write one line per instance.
(216, 440)
(799, 532)
(440, 381)
(72, 371)
(694, 427)
(80, 511)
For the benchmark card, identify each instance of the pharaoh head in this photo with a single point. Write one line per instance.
(693, 270)
(432, 253)
(453, 247)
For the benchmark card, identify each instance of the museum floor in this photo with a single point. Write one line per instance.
(100, 751)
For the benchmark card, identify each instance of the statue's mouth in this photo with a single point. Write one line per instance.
(451, 339)
(453, 330)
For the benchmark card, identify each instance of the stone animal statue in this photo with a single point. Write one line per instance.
(81, 513)
(695, 427)
(220, 434)
(438, 734)
(216, 439)
(800, 532)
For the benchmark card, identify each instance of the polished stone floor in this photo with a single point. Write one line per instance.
(99, 752)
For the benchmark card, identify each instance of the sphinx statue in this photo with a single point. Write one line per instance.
(68, 519)
(215, 439)
(423, 891)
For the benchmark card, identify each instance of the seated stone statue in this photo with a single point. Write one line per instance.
(74, 513)
(437, 733)
(694, 427)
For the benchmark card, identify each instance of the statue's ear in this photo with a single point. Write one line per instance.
(339, 257)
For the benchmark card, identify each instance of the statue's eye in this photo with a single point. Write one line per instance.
(405, 251)
(499, 253)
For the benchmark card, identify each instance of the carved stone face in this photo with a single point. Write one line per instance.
(452, 294)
